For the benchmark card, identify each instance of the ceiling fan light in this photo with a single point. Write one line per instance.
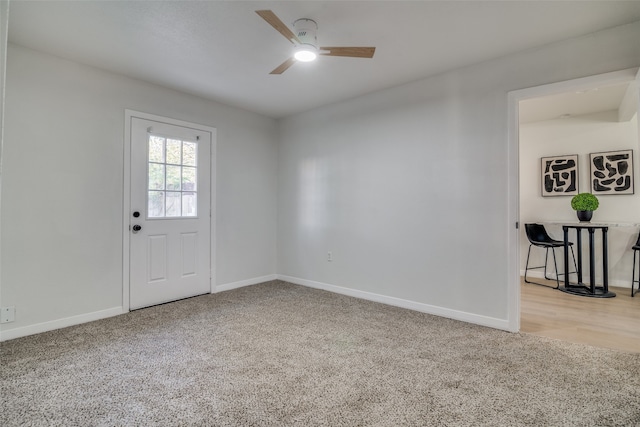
(305, 54)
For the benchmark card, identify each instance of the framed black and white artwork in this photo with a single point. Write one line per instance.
(612, 172)
(560, 175)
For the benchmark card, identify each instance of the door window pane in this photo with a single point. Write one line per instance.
(189, 153)
(174, 151)
(156, 176)
(188, 179)
(189, 207)
(172, 178)
(156, 204)
(156, 149)
(173, 203)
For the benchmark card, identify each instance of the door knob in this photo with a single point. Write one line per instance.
(136, 228)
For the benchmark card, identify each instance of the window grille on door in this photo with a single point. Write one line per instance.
(172, 178)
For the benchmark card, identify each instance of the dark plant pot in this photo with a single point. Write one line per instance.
(584, 216)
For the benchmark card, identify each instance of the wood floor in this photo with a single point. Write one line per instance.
(601, 322)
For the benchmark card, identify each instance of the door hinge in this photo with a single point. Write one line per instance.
(517, 225)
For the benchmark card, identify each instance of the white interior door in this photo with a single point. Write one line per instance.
(169, 243)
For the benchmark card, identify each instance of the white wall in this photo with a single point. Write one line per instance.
(580, 135)
(62, 187)
(4, 24)
(408, 187)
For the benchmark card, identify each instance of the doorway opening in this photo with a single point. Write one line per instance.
(577, 117)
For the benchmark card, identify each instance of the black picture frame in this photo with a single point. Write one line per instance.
(612, 172)
(559, 175)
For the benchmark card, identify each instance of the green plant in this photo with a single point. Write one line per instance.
(584, 202)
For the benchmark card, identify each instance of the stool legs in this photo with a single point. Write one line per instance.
(633, 277)
(575, 265)
(546, 259)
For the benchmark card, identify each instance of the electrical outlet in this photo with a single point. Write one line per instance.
(329, 256)
(7, 314)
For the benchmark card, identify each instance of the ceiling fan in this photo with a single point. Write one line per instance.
(306, 43)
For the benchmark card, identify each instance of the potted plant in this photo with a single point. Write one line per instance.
(584, 204)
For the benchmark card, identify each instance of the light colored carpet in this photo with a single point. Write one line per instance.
(278, 354)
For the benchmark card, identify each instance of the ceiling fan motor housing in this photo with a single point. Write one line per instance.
(306, 30)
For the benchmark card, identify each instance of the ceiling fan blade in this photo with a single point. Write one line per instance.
(276, 23)
(284, 66)
(353, 52)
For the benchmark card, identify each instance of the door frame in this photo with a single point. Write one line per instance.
(129, 115)
(631, 75)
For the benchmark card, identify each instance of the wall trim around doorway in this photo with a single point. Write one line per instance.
(513, 173)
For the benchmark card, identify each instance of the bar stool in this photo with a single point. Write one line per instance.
(538, 236)
(636, 250)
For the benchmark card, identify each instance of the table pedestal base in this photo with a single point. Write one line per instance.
(585, 291)
(580, 288)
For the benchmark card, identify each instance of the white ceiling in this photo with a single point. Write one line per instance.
(572, 104)
(222, 50)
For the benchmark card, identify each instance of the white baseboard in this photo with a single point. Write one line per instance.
(612, 282)
(9, 334)
(59, 323)
(247, 282)
(397, 302)
(402, 303)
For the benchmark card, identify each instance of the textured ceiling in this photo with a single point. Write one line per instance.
(222, 50)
